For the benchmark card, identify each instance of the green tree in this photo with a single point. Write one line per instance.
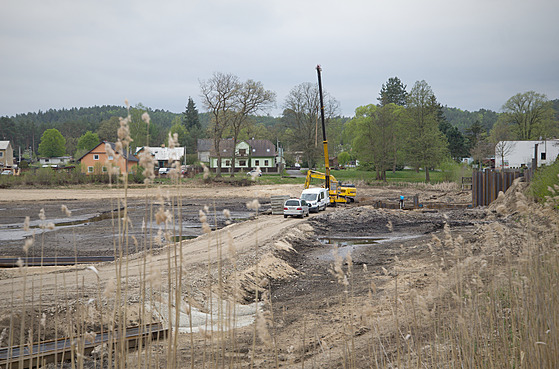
(457, 145)
(52, 144)
(376, 136)
(190, 116)
(88, 141)
(182, 133)
(393, 92)
(426, 145)
(531, 114)
(8, 130)
(108, 128)
(473, 134)
(343, 158)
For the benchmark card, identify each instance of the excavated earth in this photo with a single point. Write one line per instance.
(303, 266)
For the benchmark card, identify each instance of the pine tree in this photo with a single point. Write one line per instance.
(190, 119)
(393, 91)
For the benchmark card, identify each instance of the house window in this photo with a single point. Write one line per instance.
(89, 169)
(242, 163)
(1, 154)
(257, 162)
(104, 169)
(266, 163)
(96, 157)
(111, 157)
(542, 156)
(242, 151)
(227, 163)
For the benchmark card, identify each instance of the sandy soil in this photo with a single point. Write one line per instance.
(308, 300)
(18, 195)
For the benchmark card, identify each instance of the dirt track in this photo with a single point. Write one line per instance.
(305, 292)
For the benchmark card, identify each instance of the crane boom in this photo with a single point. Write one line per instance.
(324, 140)
(337, 192)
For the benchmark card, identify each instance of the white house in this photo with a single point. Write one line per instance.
(248, 154)
(56, 161)
(163, 155)
(6, 154)
(521, 153)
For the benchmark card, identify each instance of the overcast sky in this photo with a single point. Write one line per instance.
(79, 53)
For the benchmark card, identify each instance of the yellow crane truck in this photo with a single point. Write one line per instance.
(337, 192)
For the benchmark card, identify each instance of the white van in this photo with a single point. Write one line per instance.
(317, 198)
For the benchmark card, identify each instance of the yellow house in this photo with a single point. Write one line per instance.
(98, 161)
(6, 154)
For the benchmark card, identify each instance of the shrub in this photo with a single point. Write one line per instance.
(453, 171)
(542, 185)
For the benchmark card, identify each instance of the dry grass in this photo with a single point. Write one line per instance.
(491, 303)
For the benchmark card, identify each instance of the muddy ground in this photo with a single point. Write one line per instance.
(297, 258)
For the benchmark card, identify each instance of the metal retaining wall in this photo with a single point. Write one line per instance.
(487, 185)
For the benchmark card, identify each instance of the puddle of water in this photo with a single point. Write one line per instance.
(350, 241)
(348, 244)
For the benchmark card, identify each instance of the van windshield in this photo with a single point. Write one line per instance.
(309, 196)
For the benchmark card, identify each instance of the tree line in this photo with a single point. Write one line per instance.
(401, 128)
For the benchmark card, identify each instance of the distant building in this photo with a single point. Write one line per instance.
(204, 146)
(98, 161)
(163, 155)
(249, 154)
(6, 154)
(521, 153)
(57, 161)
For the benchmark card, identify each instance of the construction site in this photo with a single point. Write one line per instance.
(229, 283)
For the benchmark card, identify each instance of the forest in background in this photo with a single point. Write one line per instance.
(25, 130)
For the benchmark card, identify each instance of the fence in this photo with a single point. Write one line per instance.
(487, 185)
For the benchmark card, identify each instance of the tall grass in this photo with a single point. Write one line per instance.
(493, 303)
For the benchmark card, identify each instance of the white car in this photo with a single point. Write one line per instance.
(295, 207)
(255, 173)
(164, 171)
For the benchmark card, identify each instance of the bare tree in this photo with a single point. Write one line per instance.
(301, 118)
(250, 98)
(501, 136)
(503, 149)
(481, 150)
(219, 97)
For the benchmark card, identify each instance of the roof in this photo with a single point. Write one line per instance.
(262, 148)
(164, 153)
(128, 157)
(4, 145)
(204, 144)
(258, 148)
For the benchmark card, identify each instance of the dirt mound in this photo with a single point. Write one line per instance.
(508, 203)
(272, 265)
(366, 220)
